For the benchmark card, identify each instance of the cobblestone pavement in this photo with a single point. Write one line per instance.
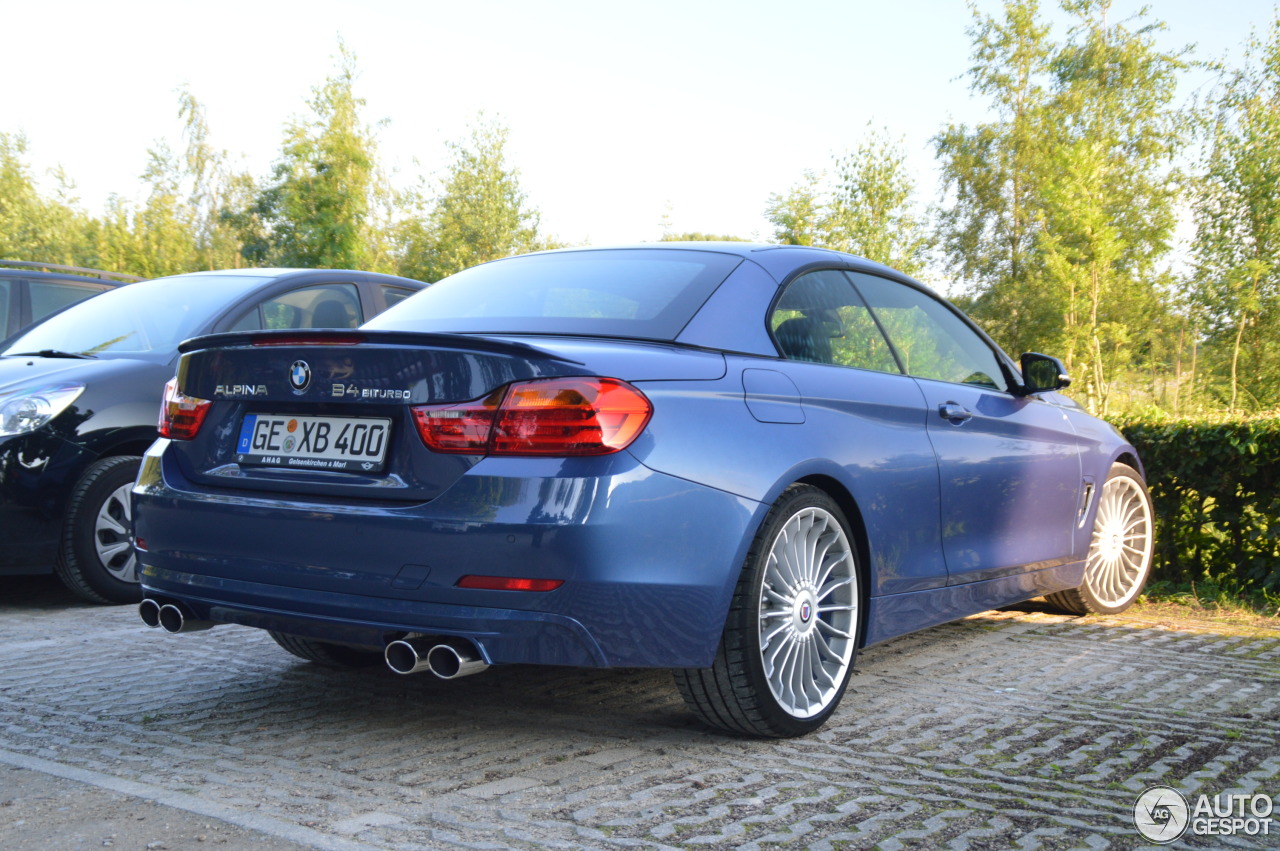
(1015, 729)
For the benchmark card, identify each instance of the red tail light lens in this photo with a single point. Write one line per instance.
(459, 429)
(556, 416)
(570, 416)
(180, 415)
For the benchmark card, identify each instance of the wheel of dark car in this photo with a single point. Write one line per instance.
(788, 646)
(326, 653)
(96, 559)
(1119, 560)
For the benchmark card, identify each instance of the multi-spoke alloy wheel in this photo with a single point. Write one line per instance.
(113, 536)
(793, 625)
(97, 558)
(808, 612)
(1120, 552)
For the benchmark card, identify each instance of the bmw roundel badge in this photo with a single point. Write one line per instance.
(299, 375)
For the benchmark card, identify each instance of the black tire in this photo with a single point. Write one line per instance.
(1120, 550)
(325, 653)
(741, 691)
(95, 558)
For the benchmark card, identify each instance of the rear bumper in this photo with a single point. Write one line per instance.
(649, 561)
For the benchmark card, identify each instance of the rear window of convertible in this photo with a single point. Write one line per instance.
(639, 293)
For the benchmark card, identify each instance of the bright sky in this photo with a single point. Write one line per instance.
(619, 112)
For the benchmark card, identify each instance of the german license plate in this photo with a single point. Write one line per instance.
(348, 444)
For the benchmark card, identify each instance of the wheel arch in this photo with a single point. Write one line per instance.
(1129, 457)
(129, 447)
(835, 489)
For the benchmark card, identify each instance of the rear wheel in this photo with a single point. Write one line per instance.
(96, 558)
(326, 653)
(788, 646)
(1120, 552)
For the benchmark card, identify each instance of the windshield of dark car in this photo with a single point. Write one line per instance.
(638, 293)
(150, 316)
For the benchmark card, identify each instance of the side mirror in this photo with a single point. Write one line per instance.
(1041, 373)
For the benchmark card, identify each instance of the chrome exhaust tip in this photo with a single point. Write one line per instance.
(149, 611)
(451, 661)
(174, 619)
(409, 655)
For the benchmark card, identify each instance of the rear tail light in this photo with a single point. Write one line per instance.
(463, 428)
(180, 415)
(556, 416)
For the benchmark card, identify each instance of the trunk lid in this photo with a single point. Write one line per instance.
(269, 389)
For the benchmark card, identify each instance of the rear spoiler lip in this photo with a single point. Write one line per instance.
(466, 342)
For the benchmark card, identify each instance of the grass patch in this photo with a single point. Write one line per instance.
(1207, 607)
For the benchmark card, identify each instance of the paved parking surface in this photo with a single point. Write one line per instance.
(1015, 729)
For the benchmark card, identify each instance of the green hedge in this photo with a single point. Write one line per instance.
(1215, 483)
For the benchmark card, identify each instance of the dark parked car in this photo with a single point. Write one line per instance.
(31, 291)
(739, 462)
(79, 394)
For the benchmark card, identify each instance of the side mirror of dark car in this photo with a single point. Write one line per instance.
(1041, 373)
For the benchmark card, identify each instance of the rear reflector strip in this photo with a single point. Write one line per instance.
(508, 583)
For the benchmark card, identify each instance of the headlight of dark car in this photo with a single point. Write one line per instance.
(25, 411)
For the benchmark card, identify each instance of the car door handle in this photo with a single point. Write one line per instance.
(954, 412)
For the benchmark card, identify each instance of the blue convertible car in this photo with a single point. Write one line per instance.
(740, 462)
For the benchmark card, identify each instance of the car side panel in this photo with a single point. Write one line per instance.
(863, 429)
(898, 614)
(1101, 445)
(1011, 480)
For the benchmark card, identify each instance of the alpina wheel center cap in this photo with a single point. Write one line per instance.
(804, 613)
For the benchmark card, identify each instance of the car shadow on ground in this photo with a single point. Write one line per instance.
(39, 592)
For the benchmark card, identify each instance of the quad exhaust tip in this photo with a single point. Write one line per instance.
(448, 659)
(170, 617)
(149, 611)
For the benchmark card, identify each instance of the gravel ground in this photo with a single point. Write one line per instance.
(1013, 729)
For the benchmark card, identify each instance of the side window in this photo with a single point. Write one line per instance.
(821, 318)
(395, 295)
(323, 306)
(6, 295)
(48, 297)
(932, 341)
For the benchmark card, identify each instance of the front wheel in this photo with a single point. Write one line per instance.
(96, 559)
(1120, 552)
(789, 642)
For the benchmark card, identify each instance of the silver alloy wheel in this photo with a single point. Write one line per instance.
(1122, 544)
(113, 535)
(808, 612)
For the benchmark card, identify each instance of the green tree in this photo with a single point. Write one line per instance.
(165, 233)
(33, 227)
(1236, 276)
(872, 212)
(315, 210)
(868, 210)
(481, 213)
(1061, 209)
(698, 236)
(1108, 210)
(212, 188)
(994, 174)
(799, 216)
